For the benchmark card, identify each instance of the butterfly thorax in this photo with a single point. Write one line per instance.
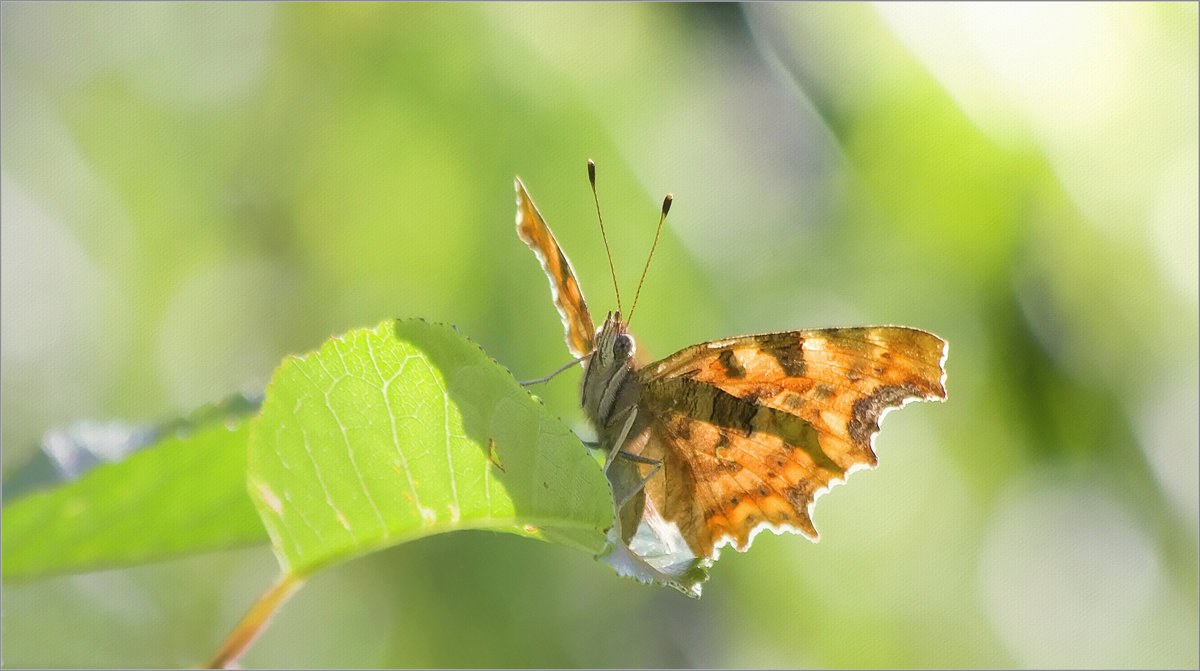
(610, 396)
(610, 390)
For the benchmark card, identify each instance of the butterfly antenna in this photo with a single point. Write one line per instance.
(666, 208)
(611, 267)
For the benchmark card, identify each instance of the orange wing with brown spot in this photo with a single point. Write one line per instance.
(580, 329)
(751, 430)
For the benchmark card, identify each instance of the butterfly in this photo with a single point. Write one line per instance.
(723, 439)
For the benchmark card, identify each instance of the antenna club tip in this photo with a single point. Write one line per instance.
(592, 171)
(667, 204)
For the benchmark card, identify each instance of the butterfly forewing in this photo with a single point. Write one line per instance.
(580, 329)
(752, 429)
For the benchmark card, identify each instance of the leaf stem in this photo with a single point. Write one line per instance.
(255, 621)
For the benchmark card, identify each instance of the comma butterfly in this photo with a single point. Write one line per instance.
(723, 439)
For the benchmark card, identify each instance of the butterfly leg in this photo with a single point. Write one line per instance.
(629, 456)
(638, 459)
(547, 378)
(616, 446)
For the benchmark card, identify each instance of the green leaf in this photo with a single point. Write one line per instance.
(184, 495)
(382, 436)
(408, 430)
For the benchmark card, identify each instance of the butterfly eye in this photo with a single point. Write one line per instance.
(623, 346)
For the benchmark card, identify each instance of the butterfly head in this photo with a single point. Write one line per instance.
(614, 345)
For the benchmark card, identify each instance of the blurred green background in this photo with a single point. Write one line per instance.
(193, 191)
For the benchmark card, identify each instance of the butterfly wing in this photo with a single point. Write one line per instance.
(580, 329)
(751, 430)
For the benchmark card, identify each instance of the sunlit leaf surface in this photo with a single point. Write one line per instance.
(408, 430)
